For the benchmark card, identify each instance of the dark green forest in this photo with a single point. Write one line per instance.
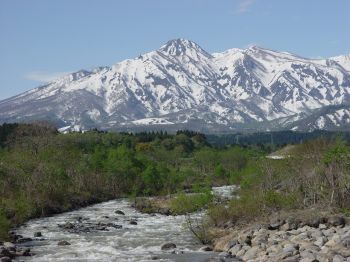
(273, 139)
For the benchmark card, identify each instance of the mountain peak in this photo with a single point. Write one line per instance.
(182, 86)
(181, 46)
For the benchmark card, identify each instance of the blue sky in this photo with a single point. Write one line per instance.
(40, 39)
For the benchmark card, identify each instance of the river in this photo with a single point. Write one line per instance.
(140, 241)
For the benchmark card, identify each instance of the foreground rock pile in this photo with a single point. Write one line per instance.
(318, 240)
(9, 251)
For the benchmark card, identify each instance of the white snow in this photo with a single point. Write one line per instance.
(182, 77)
(152, 121)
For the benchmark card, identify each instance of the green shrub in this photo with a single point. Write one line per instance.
(184, 204)
(276, 200)
(4, 226)
(218, 214)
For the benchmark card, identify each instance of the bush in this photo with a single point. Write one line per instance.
(4, 226)
(276, 201)
(184, 204)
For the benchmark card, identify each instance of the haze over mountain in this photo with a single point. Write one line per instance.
(180, 86)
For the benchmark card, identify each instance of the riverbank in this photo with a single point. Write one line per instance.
(299, 235)
(320, 239)
(185, 203)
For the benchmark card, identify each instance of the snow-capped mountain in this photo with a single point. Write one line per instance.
(180, 85)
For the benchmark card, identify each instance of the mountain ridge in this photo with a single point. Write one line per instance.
(182, 85)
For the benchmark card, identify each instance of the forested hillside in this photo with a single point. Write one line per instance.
(44, 172)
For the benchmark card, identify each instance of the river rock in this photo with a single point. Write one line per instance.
(245, 238)
(164, 211)
(289, 226)
(240, 253)
(5, 259)
(316, 233)
(168, 246)
(338, 258)
(295, 258)
(273, 249)
(274, 226)
(63, 243)
(133, 222)
(68, 225)
(308, 260)
(346, 241)
(320, 241)
(26, 253)
(251, 253)
(289, 246)
(101, 228)
(9, 245)
(335, 240)
(38, 234)
(259, 239)
(307, 255)
(6, 253)
(231, 244)
(23, 240)
(284, 254)
(322, 226)
(206, 248)
(341, 250)
(234, 250)
(119, 212)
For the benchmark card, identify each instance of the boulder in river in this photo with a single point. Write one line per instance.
(23, 240)
(164, 211)
(63, 243)
(206, 248)
(133, 222)
(168, 246)
(38, 234)
(68, 225)
(4, 252)
(119, 212)
(9, 245)
(26, 253)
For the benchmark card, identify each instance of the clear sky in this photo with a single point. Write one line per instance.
(40, 39)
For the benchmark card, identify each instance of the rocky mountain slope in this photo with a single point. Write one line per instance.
(180, 85)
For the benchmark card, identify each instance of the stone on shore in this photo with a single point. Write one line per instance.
(320, 240)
